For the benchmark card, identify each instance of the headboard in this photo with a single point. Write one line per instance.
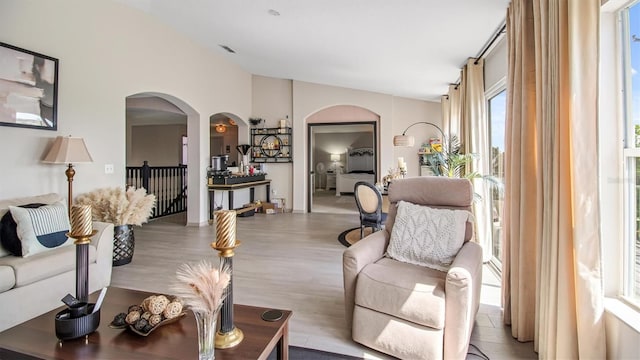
(360, 160)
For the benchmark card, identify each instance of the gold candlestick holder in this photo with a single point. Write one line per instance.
(229, 335)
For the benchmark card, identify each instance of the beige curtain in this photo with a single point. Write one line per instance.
(446, 114)
(552, 287)
(455, 111)
(476, 141)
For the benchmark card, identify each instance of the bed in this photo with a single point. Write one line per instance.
(359, 167)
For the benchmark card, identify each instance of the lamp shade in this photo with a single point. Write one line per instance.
(403, 140)
(335, 157)
(68, 150)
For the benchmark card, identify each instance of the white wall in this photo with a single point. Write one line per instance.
(272, 101)
(405, 113)
(160, 145)
(395, 115)
(108, 51)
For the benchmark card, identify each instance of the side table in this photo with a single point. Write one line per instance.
(331, 181)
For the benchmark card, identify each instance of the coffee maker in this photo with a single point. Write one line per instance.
(219, 164)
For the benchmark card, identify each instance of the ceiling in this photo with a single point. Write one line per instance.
(408, 48)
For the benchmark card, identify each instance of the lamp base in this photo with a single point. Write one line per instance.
(229, 339)
(68, 328)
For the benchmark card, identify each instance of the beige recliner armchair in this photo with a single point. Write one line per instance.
(411, 311)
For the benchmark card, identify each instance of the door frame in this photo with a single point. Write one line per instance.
(311, 145)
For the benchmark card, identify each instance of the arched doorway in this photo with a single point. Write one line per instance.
(223, 134)
(335, 136)
(157, 152)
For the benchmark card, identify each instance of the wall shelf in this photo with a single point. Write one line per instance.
(271, 145)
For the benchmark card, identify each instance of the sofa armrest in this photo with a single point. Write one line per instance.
(366, 251)
(103, 241)
(462, 294)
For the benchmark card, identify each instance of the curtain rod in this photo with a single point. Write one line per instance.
(495, 37)
(503, 28)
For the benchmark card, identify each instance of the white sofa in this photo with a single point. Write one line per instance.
(35, 284)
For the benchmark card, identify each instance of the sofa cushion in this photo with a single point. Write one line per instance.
(7, 278)
(43, 228)
(427, 237)
(45, 264)
(9, 231)
(402, 290)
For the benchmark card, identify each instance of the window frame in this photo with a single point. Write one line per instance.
(629, 155)
(490, 93)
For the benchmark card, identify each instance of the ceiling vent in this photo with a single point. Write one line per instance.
(230, 50)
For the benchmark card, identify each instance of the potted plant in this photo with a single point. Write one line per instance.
(124, 209)
(451, 162)
(255, 121)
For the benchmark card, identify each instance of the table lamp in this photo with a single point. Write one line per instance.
(68, 150)
(334, 159)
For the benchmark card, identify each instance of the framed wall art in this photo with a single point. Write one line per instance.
(28, 88)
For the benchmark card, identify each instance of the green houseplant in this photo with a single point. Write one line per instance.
(124, 209)
(451, 162)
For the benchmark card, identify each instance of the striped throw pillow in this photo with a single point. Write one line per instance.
(43, 228)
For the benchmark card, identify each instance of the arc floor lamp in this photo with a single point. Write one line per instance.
(408, 140)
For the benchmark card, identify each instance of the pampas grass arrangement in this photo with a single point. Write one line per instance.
(202, 287)
(118, 206)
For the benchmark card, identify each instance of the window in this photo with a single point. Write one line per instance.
(496, 109)
(631, 152)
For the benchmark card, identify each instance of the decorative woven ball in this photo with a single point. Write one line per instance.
(145, 315)
(178, 300)
(132, 317)
(145, 303)
(140, 324)
(135, 308)
(157, 304)
(172, 310)
(155, 320)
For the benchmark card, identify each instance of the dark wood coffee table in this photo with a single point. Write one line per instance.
(36, 337)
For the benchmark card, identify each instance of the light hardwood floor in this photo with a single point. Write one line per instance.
(291, 261)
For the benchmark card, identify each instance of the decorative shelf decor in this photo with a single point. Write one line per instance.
(271, 145)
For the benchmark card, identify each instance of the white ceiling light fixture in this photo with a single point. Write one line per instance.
(273, 12)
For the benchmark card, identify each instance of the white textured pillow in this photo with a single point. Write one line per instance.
(426, 236)
(43, 228)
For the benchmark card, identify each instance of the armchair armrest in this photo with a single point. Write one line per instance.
(462, 296)
(366, 251)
